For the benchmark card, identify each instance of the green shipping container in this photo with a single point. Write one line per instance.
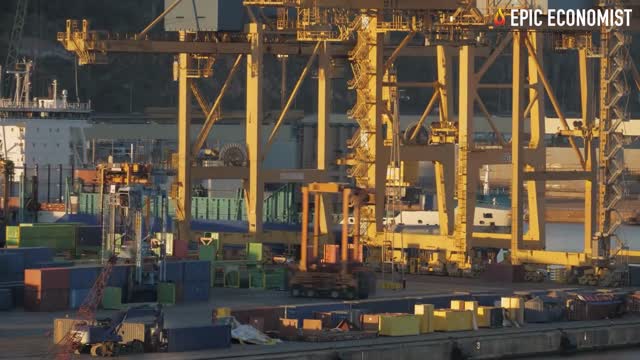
(61, 237)
(13, 235)
(256, 279)
(254, 251)
(167, 293)
(207, 252)
(112, 298)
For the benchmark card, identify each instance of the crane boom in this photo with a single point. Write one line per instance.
(15, 40)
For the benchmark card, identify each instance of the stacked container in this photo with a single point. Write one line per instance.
(11, 267)
(46, 289)
(81, 280)
(198, 338)
(196, 281)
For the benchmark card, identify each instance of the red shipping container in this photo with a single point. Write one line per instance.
(351, 247)
(45, 300)
(47, 278)
(331, 254)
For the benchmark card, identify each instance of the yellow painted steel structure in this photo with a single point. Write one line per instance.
(360, 30)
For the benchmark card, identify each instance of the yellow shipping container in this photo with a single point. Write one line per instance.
(399, 325)
(471, 305)
(425, 312)
(484, 316)
(453, 320)
(457, 304)
(515, 308)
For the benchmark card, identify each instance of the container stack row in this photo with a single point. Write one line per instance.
(186, 281)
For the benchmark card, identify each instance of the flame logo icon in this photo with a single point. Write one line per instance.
(500, 19)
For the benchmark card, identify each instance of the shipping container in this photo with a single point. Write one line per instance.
(505, 273)
(167, 293)
(12, 234)
(45, 300)
(489, 317)
(207, 252)
(47, 278)
(452, 320)
(593, 307)
(6, 299)
(255, 251)
(198, 338)
(175, 271)
(399, 325)
(83, 277)
(31, 256)
(119, 276)
(270, 315)
(132, 331)
(112, 298)
(197, 271)
(61, 328)
(195, 291)
(543, 309)
(77, 297)
(425, 313)
(11, 267)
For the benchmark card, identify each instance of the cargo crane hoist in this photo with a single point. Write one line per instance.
(127, 224)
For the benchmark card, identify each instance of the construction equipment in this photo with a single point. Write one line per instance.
(7, 170)
(348, 280)
(105, 339)
(70, 343)
(15, 41)
(128, 202)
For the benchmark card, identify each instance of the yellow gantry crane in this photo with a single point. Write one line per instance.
(451, 32)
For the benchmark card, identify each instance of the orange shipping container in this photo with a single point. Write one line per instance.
(47, 278)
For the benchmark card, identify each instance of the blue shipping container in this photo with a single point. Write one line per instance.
(119, 276)
(11, 267)
(32, 255)
(77, 296)
(83, 277)
(199, 338)
(6, 299)
(195, 291)
(175, 271)
(197, 271)
(52, 264)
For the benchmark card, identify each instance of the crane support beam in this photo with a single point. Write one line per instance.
(556, 175)
(537, 161)
(425, 113)
(394, 55)
(292, 96)
(254, 188)
(219, 48)
(183, 199)
(202, 102)
(517, 158)
(587, 94)
(210, 119)
(492, 58)
(325, 93)
(158, 19)
(467, 179)
(552, 97)
(489, 118)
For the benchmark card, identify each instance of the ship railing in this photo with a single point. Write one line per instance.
(44, 105)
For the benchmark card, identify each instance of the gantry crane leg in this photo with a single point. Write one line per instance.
(445, 173)
(466, 185)
(537, 157)
(517, 158)
(183, 213)
(254, 188)
(587, 95)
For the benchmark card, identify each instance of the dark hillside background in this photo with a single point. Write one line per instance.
(140, 81)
